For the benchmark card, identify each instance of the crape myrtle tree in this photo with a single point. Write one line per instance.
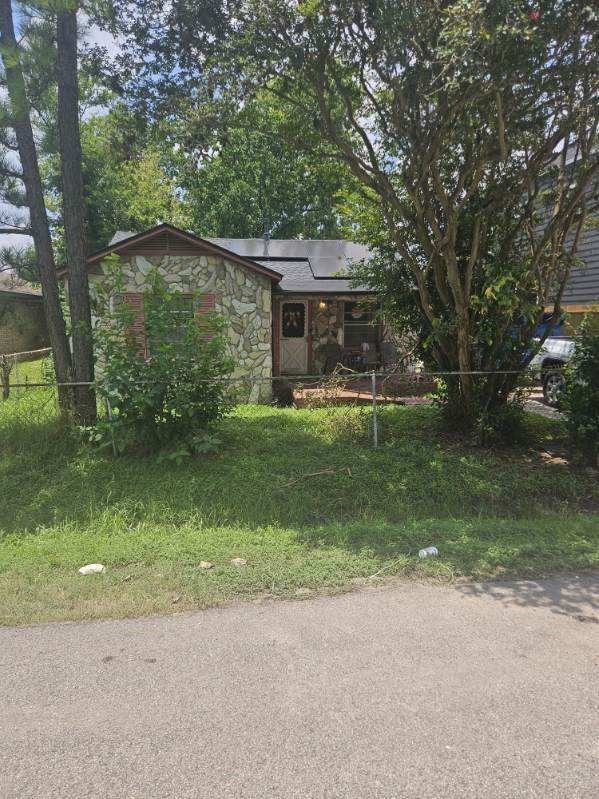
(471, 125)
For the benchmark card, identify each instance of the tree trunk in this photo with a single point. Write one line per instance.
(73, 204)
(40, 230)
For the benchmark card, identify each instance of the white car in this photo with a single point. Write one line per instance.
(549, 363)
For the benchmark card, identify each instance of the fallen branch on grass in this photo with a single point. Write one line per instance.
(318, 474)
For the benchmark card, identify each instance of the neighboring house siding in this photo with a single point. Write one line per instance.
(22, 323)
(583, 285)
(581, 295)
(242, 297)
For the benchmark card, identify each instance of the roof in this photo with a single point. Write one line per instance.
(327, 257)
(123, 241)
(13, 285)
(314, 266)
(121, 235)
(299, 278)
(307, 266)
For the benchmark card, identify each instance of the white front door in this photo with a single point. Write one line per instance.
(294, 338)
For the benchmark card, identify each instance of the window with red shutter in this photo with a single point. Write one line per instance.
(182, 310)
(137, 329)
(204, 307)
(185, 307)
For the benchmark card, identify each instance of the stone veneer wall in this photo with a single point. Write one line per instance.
(326, 321)
(242, 297)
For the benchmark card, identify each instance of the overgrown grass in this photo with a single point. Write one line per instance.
(28, 372)
(508, 513)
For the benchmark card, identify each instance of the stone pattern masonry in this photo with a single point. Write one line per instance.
(242, 297)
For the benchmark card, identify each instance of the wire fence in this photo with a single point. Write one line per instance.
(31, 395)
(14, 368)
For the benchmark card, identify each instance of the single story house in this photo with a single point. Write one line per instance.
(22, 320)
(288, 303)
(290, 307)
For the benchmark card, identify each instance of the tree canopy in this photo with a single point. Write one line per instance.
(456, 137)
(473, 126)
(127, 178)
(258, 173)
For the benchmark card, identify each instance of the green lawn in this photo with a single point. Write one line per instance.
(511, 513)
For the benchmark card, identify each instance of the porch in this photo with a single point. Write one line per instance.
(315, 335)
(401, 389)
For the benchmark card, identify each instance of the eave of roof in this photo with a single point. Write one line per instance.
(191, 238)
(25, 295)
(317, 290)
(299, 278)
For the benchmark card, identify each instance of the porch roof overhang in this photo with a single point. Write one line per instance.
(299, 278)
(316, 291)
(30, 296)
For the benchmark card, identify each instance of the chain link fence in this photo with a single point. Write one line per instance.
(22, 368)
(30, 393)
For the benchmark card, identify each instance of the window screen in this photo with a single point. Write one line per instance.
(183, 309)
(359, 326)
(293, 320)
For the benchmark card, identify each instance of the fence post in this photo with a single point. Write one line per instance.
(375, 429)
(5, 376)
(115, 451)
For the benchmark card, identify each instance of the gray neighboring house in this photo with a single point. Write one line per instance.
(22, 320)
(581, 295)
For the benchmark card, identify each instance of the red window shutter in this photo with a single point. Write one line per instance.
(206, 306)
(137, 329)
(207, 303)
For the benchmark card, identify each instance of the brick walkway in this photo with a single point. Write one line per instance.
(360, 394)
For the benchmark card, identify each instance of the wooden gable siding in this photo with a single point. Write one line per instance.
(163, 244)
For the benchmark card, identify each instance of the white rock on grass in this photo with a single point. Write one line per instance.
(92, 568)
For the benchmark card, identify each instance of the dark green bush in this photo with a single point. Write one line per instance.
(485, 423)
(581, 399)
(161, 370)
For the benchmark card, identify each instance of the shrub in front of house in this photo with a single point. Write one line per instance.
(581, 399)
(162, 369)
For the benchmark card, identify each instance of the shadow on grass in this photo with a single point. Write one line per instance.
(481, 548)
(309, 470)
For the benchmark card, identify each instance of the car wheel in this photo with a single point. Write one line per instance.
(554, 384)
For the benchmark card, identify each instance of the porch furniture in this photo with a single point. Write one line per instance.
(360, 361)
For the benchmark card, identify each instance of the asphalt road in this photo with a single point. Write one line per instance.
(412, 691)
